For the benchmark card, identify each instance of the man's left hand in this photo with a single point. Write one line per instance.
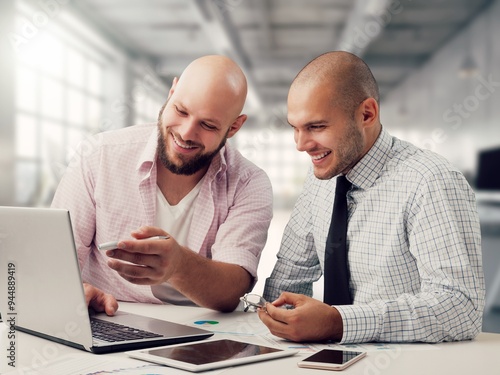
(309, 320)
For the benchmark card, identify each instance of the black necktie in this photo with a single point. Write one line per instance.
(336, 275)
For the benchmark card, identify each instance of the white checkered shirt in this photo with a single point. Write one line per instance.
(414, 247)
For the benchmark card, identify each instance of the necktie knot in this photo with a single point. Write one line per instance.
(343, 185)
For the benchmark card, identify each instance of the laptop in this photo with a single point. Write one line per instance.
(41, 289)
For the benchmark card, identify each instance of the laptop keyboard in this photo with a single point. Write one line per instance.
(113, 332)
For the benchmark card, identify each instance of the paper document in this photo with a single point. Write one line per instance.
(236, 323)
(90, 364)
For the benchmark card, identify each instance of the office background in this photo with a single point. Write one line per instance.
(70, 69)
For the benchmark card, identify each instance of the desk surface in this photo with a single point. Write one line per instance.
(480, 356)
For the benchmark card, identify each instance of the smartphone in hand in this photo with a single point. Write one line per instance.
(114, 244)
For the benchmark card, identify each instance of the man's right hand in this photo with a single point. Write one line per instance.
(100, 301)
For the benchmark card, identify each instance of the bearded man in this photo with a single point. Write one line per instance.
(179, 182)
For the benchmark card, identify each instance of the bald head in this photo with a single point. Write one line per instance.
(219, 77)
(346, 75)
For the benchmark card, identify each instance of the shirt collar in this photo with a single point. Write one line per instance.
(218, 166)
(148, 156)
(368, 169)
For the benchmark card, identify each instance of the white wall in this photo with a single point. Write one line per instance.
(436, 109)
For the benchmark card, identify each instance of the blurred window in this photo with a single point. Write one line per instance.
(273, 150)
(147, 98)
(59, 97)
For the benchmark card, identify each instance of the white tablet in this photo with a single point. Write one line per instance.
(208, 355)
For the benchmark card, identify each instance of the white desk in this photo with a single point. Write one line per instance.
(480, 356)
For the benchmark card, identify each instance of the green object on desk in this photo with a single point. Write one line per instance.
(200, 322)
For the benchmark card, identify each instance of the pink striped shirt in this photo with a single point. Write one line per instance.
(109, 189)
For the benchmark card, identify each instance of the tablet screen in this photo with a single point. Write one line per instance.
(211, 351)
(208, 355)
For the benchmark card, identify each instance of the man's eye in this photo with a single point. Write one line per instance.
(183, 113)
(316, 127)
(208, 126)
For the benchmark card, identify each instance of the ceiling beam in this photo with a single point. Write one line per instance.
(267, 37)
(85, 12)
(364, 25)
(379, 60)
(214, 19)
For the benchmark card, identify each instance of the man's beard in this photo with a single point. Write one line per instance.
(187, 167)
(349, 152)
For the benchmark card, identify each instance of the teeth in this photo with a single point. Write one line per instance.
(320, 156)
(180, 144)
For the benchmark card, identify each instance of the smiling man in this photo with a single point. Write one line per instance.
(413, 268)
(178, 179)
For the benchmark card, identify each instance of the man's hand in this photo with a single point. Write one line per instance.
(310, 320)
(150, 262)
(100, 301)
(146, 261)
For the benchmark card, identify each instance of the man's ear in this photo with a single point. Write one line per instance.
(172, 88)
(369, 112)
(236, 125)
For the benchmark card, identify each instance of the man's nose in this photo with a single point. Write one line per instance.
(302, 140)
(188, 129)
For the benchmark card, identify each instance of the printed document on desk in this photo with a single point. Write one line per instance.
(237, 323)
(308, 348)
(249, 325)
(84, 364)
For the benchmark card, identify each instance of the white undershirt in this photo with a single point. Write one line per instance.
(176, 220)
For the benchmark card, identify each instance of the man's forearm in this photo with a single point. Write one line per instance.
(208, 283)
